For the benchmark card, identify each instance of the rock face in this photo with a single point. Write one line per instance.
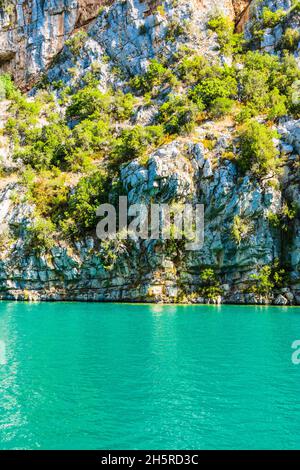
(147, 270)
(33, 32)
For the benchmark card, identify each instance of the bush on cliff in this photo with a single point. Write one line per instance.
(268, 277)
(212, 88)
(7, 88)
(156, 76)
(178, 115)
(80, 213)
(134, 142)
(39, 236)
(258, 153)
(229, 41)
(210, 286)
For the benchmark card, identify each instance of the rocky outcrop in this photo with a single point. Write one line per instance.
(33, 32)
(150, 270)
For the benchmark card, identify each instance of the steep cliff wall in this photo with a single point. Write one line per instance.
(33, 32)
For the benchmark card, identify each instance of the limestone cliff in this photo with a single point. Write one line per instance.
(33, 32)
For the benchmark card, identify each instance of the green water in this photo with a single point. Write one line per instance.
(104, 376)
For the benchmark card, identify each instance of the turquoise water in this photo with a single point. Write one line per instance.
(104, 376)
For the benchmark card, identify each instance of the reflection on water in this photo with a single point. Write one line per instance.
(92, 376)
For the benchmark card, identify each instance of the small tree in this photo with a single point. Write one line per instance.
(257, 149)
(210, 285)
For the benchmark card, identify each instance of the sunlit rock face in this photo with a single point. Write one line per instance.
(32, 32)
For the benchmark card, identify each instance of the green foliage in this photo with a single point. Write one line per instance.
(122, 106)
(257, 149)
(290, 39)
(88, 102)
(75, 42)
(263, 284)
(221, 107)
(229, 41)
(266, 83)
(192, 67)
(175, 29)
(7, 88)
(156, 76)
(45, 147)
(92, 136)
(178, 115)
(277, 105)
(282, 219)
(55, 144)
(212, 88)
(80, 213)
(272, 18)
(210, 285)
(48, 191)
(134, 142)
(268, 278)
(39, 235)
(241, 229)
(24, 115)
(254, 88)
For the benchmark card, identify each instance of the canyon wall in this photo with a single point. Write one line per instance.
(33, 32)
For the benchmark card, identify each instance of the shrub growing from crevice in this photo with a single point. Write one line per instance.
(258, 153)
(210, 285)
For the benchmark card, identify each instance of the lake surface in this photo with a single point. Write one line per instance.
(110, 376)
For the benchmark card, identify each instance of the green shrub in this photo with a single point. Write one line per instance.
(178, 115)
(48, 191)
(246, 113)
(221, 107)
(75, 42)
(257, 149)
(92, 135)
(7, 88)
(24, 115)
(268, 278)
(90, 192)
(263, 284)
(266, 77)
(156, 76)
(210, 285)
(88, 102)
(211, 88)
(290, 39)
(224, 27)
(282, 219)
(175, 29)
(122, 106)
(45, 147)
(277, 105)
(192, 68)
(272, 18)
(254, 88)
(39, 235)
(241, 229)
(134, 142)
